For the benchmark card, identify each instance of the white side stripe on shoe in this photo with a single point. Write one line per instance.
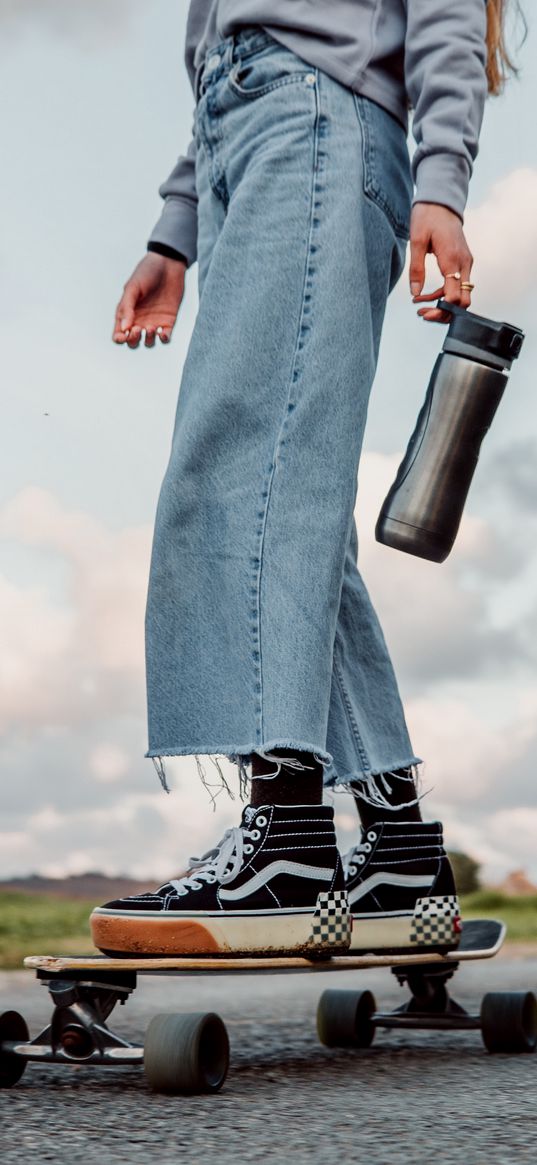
(320, 873)
(385, 879)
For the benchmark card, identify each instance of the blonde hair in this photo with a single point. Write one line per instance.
(499, 61)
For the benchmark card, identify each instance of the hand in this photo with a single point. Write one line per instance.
(150, 302)
(436, 229)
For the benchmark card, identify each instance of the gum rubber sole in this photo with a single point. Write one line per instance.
(146, 933)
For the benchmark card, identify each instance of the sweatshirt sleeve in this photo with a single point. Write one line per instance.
(446, 82)
(177, 226)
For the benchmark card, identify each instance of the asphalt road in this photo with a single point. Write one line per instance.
(413, 1097)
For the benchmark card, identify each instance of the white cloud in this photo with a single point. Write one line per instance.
(72, 663)
(502, 234)
(465, 756)
(147, 835)
(108, 763)
(436, 621)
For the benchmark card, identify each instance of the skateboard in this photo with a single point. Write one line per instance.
(189, 1053)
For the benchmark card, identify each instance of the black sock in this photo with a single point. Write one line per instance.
(291, 786)
(398, 788)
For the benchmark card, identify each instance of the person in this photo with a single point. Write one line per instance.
(297, 197)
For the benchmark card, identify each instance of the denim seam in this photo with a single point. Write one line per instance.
(262, 90)
(348, 708)
(303, 327)
(371, 185)
(217, 178)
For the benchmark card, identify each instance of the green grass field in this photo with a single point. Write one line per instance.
(33, 924)
(519, 914)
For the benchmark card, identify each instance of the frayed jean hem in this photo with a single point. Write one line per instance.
(340, 781)
(243, 752)
(240, 756)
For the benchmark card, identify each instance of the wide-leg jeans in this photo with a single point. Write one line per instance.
(259, 629)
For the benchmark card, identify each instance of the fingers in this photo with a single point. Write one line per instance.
(434, 314)
(125, 312)
(134, 335)
(451, 291)
(452, 284)
(431, 313)
(148, 335)
(151, 333)
(466, 271)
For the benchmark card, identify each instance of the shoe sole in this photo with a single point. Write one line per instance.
(433, 924)
(321, 931)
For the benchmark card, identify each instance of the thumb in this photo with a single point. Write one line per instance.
(127, 304)
(418, 248)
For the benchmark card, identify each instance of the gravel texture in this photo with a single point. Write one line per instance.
(414, 1097)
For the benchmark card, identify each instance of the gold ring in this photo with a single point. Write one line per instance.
(453, 275)
(467, 286)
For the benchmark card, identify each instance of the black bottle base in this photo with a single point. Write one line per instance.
(412, 539)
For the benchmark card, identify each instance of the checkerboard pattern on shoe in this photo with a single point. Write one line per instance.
(401, 889)
(434, 920)
(273, 885)
(332, 920)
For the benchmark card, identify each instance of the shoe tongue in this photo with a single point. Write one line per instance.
(248, 815)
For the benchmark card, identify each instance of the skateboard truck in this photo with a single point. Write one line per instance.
(507, 1020)
(77, 1032)
(181, 1053)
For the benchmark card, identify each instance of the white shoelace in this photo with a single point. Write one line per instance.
(221, 864)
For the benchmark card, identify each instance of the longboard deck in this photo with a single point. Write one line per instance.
(480, 939)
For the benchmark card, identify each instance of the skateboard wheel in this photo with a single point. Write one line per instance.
(186, 1053)
(344, 1019)
(12, 1027)
(509, 1021)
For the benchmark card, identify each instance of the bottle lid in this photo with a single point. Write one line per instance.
(500, 340)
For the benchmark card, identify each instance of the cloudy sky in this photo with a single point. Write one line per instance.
(99, 107)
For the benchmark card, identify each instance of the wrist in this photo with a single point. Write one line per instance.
(438, 205)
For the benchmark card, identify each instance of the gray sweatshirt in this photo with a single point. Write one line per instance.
(427, 55)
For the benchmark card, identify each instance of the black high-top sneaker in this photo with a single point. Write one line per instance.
(401, 889)
(274, 885)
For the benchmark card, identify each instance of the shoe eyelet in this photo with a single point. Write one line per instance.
(196, 885)
(255, 834)
(210, 878)
(371, 835)
(360, 859)
(367, 847)
(261, 821)
(248, 849)
(352, 870)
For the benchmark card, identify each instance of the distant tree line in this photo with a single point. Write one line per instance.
(466, 871)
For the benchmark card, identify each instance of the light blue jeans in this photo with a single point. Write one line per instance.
(259, 629)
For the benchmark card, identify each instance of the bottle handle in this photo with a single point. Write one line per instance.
(453, 308)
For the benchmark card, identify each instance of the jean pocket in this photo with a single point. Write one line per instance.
(387, 173)
(266, 69)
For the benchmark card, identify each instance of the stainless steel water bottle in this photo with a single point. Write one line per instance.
(422, 511)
